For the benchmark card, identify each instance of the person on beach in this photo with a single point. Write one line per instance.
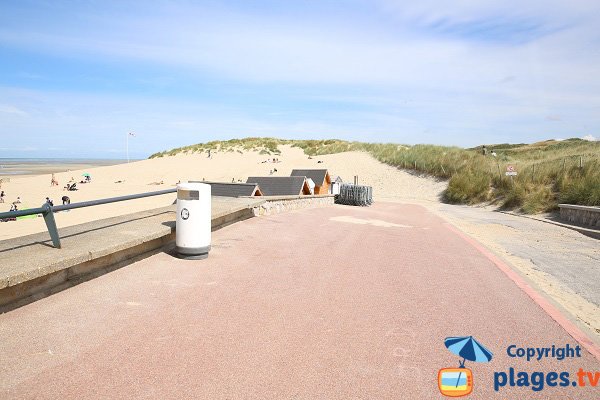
(14, 207)
(66, 200)
(2, 197)
(18, 200)
(49, 201)
(53, 181)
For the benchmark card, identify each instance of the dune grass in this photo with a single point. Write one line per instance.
(263, 145)
(549, 172)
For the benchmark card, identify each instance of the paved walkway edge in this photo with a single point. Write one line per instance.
(19, 288)
(548, 307)
(589, 232)
(30, 290)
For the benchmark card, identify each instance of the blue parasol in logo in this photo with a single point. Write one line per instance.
(469, 349)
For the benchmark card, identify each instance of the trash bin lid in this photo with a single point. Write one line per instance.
(190, 191)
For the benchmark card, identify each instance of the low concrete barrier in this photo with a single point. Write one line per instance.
(581, 215)
(31, 269)
(279, 204)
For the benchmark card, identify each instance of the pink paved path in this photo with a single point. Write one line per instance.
(292, 306)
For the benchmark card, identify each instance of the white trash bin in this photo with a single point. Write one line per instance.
(192, 233)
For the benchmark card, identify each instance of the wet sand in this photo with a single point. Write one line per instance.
(14, 168)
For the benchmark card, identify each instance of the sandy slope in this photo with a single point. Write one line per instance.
(138, 177)
(526, 244)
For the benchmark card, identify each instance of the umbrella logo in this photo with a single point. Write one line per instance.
(457, 382)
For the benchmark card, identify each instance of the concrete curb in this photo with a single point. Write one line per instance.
(579, 335)
(29, 279)
(589, 232)
(153, 231)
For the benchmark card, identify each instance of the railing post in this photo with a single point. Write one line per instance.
(48, 211)
(51, 225)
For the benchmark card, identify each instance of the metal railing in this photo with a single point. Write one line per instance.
(48, 211)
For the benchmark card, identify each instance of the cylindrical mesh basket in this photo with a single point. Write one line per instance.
(355, 195)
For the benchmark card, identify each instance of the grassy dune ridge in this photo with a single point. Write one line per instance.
(549, 172)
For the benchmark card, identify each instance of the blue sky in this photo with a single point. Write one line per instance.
(76, 76)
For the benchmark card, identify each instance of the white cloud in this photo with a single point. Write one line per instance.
(548, 11)
(409, 68)
(9, 109)
(250, 46)
(590, 138)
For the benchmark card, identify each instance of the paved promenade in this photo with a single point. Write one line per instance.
(330, 303)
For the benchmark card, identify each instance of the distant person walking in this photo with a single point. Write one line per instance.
(53, 181)
(2, 197)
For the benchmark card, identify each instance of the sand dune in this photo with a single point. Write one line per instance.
(389, 184)
(142, 176)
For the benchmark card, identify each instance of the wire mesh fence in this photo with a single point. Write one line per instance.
(355, 195)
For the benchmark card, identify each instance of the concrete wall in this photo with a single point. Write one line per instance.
(124, 239)
(276, 205)
(581, 215)
(32, 270)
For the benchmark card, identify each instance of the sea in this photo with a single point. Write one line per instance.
(37, 166)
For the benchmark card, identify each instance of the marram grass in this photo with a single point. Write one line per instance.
(549, 172)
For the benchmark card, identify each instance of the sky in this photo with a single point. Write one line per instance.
(77, 76)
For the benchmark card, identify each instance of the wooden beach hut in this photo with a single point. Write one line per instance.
(281, 185)
(236, 189)
(336, 183)
(320, 177)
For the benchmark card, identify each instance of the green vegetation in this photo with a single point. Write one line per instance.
(549, 172)
(263, 145)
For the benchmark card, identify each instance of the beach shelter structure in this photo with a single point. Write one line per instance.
(336, 183)
(236, 189)
(320, 177)
(311, 185)
(281, 185)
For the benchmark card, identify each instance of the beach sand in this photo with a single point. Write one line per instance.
(16, 168)
(164, 173)
(389, 184)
